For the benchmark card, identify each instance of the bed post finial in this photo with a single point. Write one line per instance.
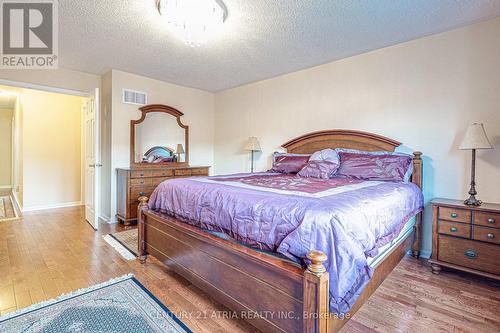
(317, 259)
(143, 206)
(143, 201)
(316, 297)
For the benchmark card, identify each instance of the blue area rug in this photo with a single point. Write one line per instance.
(119, 305)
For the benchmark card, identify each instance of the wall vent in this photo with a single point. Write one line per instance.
(134, 97)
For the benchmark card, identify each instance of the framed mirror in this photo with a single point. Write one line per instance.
(159, 138)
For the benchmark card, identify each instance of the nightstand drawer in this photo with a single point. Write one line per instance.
(454, 229)
(489, 235)
(141, 174)
(454, 214)
(487, 219)
(471, 254)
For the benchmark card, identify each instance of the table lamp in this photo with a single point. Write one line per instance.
(179, 151)
(475, 138)
(252, 146)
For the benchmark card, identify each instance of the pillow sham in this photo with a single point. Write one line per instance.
(327, 154)
(289, 163)
(381, 165)
(318, 169)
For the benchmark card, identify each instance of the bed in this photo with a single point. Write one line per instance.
(265, 280)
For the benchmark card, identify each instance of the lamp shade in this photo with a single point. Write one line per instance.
(475, 138)
(252, 144)
(180, 149)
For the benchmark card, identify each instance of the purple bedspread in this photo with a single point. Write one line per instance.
(347, 220)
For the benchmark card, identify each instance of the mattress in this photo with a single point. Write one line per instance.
(373, 262)
(385, 250)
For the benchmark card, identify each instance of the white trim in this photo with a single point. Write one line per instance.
(43, 88)
(105, 219)
(5, 187)
(426, 254)
(16, 201)
(45, 207)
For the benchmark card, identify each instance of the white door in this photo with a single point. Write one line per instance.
(92, 158)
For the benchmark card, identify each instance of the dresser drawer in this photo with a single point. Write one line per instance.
(158, 180)
(163, 173)
(454, 229)
(487, 219)
(141, 181)
(454, 214)
(139, 191)
(489, 235)
(183, 172)
(199, 172)
(471, 254)
(141, 173)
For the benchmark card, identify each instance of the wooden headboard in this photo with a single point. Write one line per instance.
(309, 143)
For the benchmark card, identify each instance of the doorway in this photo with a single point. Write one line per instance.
(52, 147)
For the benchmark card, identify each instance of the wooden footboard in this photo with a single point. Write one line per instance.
(271, 294)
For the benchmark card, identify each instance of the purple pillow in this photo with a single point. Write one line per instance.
(318, 169)
(289, 163)
(327, 154)
(375, 165)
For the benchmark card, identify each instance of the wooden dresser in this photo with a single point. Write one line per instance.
(134, 183)
(466, 238)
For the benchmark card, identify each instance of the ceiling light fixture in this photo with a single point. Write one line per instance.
(193, 21)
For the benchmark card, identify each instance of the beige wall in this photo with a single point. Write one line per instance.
(423, 93)
(51, 149)
(6, 147)
(198, 109)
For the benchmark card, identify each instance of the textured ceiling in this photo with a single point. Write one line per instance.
(260, 38)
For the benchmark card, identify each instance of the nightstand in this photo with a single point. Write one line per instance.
(466, 238)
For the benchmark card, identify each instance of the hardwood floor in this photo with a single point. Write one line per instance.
(53, 252)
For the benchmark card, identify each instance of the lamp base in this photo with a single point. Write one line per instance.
(472, 201)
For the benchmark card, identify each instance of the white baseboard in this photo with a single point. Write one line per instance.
(45, 207)
(5, 187)
(426, 254)
(104, 219)
(16, 202)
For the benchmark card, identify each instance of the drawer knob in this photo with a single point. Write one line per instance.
(491, 220)
(453, 229)
(471, 254)
(490, 236)
(454, 215)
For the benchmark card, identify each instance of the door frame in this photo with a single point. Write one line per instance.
(65, 91)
